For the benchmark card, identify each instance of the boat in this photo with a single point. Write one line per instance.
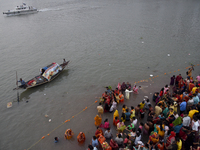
(47, 74)
(22, 9)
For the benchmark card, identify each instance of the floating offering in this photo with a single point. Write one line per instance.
(9, 104)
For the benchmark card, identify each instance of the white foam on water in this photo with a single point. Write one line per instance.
(49, 9)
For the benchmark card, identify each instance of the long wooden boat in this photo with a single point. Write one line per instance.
(48, 74)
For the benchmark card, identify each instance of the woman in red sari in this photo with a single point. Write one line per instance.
(98, 132)
(161, 92)
(171, 138)
(181, 83)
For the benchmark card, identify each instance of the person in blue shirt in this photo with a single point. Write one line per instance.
(95, 141)
(183, 106)
(108, 90)
(56, 140)
(23, 83)
(196, 99)
(128, 114)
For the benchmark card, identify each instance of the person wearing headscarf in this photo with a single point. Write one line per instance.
(98, 132)
(171, 138)
(68, 134)
(98, 120)
(81, 137)
(116, 114)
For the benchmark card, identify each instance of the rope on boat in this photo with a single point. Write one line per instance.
(96, 102)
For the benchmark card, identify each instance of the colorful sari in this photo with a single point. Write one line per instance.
(171, 138)
(97, 120)
(68, 134)
(121, 126)
(116, 114)
(154, 138)
(98, 132)
(81, 137)
(106, 125)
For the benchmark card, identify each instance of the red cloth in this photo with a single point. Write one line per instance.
(182, 134)
(115, 122)
(113, 144)
(30, 82)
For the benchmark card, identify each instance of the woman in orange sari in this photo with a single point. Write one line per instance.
(191, 85)
(81, 137)
(121, 96)
(68, 134)
(98, 120)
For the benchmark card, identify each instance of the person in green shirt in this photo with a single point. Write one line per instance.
(165, 111)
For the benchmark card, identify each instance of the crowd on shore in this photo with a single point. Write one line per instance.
(170, 121)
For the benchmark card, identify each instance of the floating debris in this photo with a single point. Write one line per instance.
(46, 116)
(146, 96)
(44, 94)
(151, 75)
(49, 120)
(142, 41)
(9, 104)
(168, 54)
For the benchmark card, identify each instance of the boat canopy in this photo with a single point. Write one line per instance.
(52, 70)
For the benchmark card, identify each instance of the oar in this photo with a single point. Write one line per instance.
(17, 88)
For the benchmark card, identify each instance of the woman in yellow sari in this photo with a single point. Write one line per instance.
(98, 120)
(68, 134)
(116, 114)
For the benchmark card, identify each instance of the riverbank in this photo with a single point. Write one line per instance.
(84, 122)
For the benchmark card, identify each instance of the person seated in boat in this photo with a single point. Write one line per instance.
(42, 70)
(23, 83)
(64, 61)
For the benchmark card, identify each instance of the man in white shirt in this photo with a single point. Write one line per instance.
(108, 134)
(186, 120)
(134, 121)
(195, 125)
(137, 138)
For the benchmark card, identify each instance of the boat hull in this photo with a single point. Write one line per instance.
(44, 80)
(20, 12)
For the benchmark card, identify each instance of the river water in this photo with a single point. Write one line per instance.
(107, 42)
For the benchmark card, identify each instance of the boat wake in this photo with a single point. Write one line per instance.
(49, 9)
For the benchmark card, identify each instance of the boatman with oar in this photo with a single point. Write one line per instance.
(23, 83)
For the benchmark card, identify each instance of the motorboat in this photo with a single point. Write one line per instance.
(22, 9)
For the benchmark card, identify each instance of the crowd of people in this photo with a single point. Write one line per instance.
(171, 121)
